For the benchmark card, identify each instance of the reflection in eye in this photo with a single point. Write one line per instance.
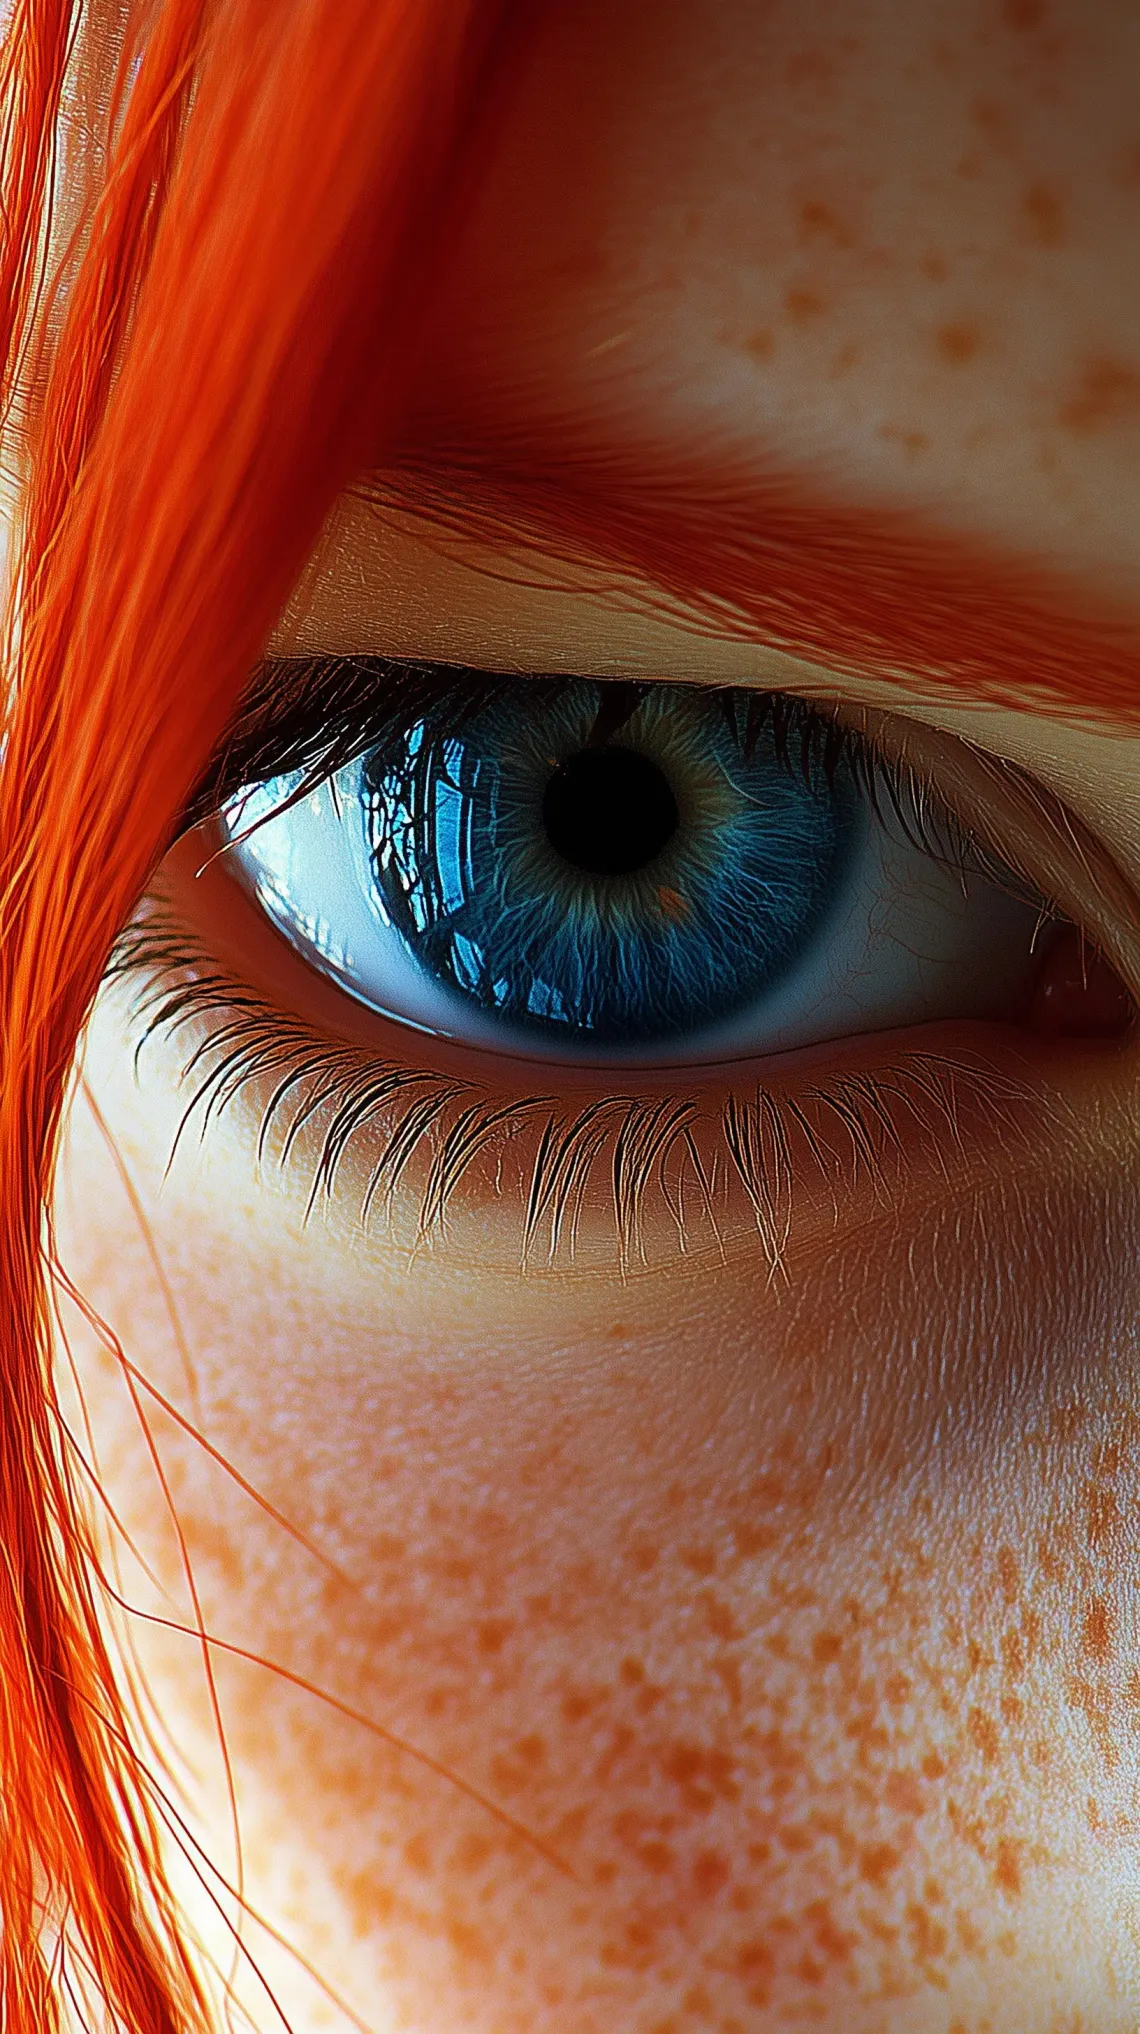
(617, 872)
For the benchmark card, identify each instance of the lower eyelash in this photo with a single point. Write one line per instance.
(666, 1153)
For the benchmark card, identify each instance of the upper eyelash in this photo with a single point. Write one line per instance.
(315, 715)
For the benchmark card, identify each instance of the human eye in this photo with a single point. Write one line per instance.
(632, 873)
(549, 921)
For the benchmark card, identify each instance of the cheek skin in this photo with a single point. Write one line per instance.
(798, 1622)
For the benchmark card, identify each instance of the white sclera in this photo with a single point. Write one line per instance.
(907, 939)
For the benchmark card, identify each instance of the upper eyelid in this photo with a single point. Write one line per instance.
(1033, 829)
(313, 711)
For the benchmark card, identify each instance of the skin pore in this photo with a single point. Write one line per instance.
(755, 1649)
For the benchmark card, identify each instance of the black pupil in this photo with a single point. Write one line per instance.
(609, 811)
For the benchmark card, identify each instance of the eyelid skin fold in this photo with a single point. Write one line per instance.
(1037, 836)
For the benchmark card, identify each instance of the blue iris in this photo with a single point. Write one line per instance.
(620, 885)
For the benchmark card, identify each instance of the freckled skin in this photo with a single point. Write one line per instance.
(862, 176)
(772, 1641)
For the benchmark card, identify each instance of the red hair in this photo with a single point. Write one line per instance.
(233, 345)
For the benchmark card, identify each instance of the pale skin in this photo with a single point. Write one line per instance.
(784, 1627)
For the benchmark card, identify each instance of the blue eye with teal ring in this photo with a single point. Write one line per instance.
(600, 885)
(609, 872)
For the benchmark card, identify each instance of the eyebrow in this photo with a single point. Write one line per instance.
(869, 592)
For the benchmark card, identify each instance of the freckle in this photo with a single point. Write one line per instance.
(531, 1749)
(934, 267)
(1106, 392)
(968, 1935)
(1108, 1460)
(711, 1873)
(754, 1959)
(643, 1558)
(796, 1842)
(632, 1672)
(1104, 1514)
(878, 1861)
(819, 222)
(750, 1540)
(929, 1936)
(702, 1560)
(1043, 215)
(957, 343)
(1013, 1654)
(897, 1690)
(934, 1893)
(1007, 1869)
(492, 1634)
(1007, 1942)
(1013, 1709)
(1096, 1634)
(698, 2002)
(472, 1853)
(1023, 16)
(983, 1732)
(902, 1792)
(911, 441)
(619, 1332)
(1009, 1575)
(803, 305)
(831, 1941)
(760, 345)
(933, 1767)
(579, 1703)
(826, 1648)
(1041, 1754)
(719, 1618)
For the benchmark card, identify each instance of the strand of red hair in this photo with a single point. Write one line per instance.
(233, 346)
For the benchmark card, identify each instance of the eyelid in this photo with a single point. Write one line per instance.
(1031, 828)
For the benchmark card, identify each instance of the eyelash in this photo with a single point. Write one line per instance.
(754, 1145)
(314, 716)
(695, 1164)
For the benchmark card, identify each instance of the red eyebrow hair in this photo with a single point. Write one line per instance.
(869, 592)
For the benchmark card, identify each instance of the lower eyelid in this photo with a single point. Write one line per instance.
(765, 1157)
